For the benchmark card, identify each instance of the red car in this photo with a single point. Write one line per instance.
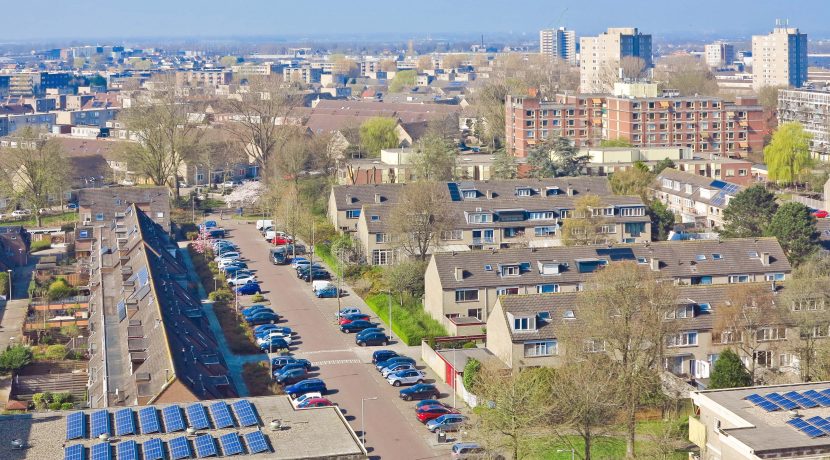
(281, 240)
(315, 402)
(353, 317)
(433, 411)
(821, 214)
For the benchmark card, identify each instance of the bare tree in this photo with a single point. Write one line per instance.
(625, 306)
(261, 111)
(688, 75)
(34, 172)
(750, 322)
(586, 224)
(419, 217)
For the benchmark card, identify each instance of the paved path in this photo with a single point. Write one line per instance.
(235, 362)
(392, 430)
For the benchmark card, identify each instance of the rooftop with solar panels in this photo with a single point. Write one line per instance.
(781, 421)
(218, 428)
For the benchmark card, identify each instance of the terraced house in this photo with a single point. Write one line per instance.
(696, 199)
(495, 215)
(525, 331)
(150, 341)
(461, 288)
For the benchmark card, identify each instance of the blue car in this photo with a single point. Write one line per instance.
(216, 233)
(328, 292)
(356, 326)
(256, 306)
(369, 330)
(395, 360)
(307, 386)
(208, 224)
(269, 328)
(282, 361)
(72, 206)
(250, 311)
(248, 289)
(382, 355)
(290, 375)
(420, 391)
(264, 317)
(373, 338)
(276, 343)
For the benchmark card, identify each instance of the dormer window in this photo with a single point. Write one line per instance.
(510, 270)
(549, 268)
(480, 218)
(540, 215)
(523, 192)
(469, 193)
(551, 191)
(524, 324)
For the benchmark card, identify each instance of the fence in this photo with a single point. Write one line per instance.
(809, 202)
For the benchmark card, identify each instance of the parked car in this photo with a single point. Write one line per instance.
(297, 261)
(279, 362)
(407, 377)
(355, 326)
(368, 330)
(263, 224)
(372, 338)
(306, 396)
(345, 311)
(467, 451)
(233, 269)
(448, 422)
(428, 402)
(254, 309)
(353, 317)
(820, 214)
(18, 213)
(216, 233)
(306, 386)
(265, 317)
(241, 278)
(314, 402)
(274, 335)
(280, 240)
(227, 255)
(207, 224)
(315, 274)
(427, 413)
(420, 391)
(396, 359)
(294, 365)
(276, 343)
(383, 355)
(290, 376)
(264, 329)
(303, 265)
(248, 289)
(328, 292)
(395, 368)
(72, 206)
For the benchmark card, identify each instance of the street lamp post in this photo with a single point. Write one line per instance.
(389, 297)
(573, 452)
(362, 419)
(10, 283)
(454, 377)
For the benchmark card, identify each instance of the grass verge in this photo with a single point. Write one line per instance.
(258, 379)
(49, 221)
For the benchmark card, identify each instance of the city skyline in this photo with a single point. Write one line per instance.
(257, 18)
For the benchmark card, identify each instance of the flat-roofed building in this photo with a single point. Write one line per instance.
(779, 58)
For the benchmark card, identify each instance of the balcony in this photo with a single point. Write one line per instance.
(485, 240)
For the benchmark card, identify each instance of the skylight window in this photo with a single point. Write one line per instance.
(488, 268)
(717, 256)
(569, 314)
(700, 257)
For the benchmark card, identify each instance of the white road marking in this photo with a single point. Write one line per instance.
(336, 361)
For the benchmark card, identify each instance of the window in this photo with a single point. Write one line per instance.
(523, 192)
(469, 194)
(452, 235)
(771, 333)
(537, 215)
(738, 279)
(764, 358)
(786, 359)
(608, 228)
(683, 311)
(374, 218)
(507, 291)
(683, 339)
(466, 295)
(510, 270)
(568, 314)
(480, 218)
(728, 336)
(717, 256)
(381, 257)
(549, 268)
(352, 213)
(523, 324)
(808, 305)
(630, 212)
(474, 313)
(544, 231)
(545, 348)
(774, 277)
(99, 216)
(381, 238)
(547, 288)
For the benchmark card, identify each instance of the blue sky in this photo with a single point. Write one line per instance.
(85, 19)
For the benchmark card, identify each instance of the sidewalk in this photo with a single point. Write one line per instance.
(235, 362)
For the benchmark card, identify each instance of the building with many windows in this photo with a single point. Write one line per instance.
(558, 43)
(696, 199)
(811, 108)
(600, 57)
(461, 288)
(719, 54)
(779, 58)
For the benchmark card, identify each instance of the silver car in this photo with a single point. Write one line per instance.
(407, 377)
(396, 368)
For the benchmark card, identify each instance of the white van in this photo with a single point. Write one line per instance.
(263, 224)
(316, 285)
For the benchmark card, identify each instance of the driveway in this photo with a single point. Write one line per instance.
(392, 430)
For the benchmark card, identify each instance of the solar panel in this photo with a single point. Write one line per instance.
(99, 423)
(230, 444)
(221, 415)
(143, 276)
(755, 398)
(812, 431)
(100, 451)
(127, 450)
(124, 422)
(455, 195)
(179, 448)
(74, 452)
(197, 417)
(245, 414)
(149, 420)
(205, 446)
(769, 406)
(173, 420)
(256, 442)
(820, 423)
(153, 449)
(75, 426)
(797, 422)
(781, 401)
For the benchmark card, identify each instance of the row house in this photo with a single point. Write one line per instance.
(461, 288)
(695, 199)
(526, 331)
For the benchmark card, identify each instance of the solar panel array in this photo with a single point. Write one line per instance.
(179, 448)
(100, 451)
(173, 420)
(153, 449)
(221, 415)
(245, 413)
(792, 400)
(74, 452)
(99, 423)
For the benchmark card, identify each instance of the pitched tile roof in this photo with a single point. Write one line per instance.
(704, 189)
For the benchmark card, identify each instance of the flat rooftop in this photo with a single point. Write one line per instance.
(307, 433)
(769, 431)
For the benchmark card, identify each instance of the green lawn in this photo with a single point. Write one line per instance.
(48, 221)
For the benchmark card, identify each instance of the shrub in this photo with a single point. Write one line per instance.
(71, 330)
(67, 406)
(62, 398)
(55, 406)
(55, 352)
(42, 400)
(15, 358)
(256, 298)
(470, 376)
(258, 379)
(40, 245)
(60, 289)
(4, 283)
(191, 235)
(221, 295)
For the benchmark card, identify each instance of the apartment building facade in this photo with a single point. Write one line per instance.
(558, 43)
(461, 286)
(600, 56)
(696, 199)
(719, 54)
(779, 58)
(811, 108)
(205, 78)
(530, 121)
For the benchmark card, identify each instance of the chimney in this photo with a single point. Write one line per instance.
(489, 194)
(349, 199)
(569, 191)
(377, 198)
(655, 264)
(765, 259)
(459, 274)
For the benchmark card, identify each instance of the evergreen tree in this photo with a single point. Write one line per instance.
(749, 213)
(504, 166)
(729, 372)
(795, 229)
(662, 220)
